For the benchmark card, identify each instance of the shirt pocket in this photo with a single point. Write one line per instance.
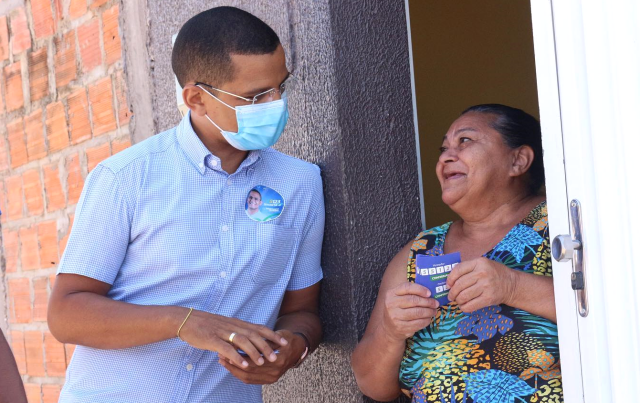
(275, 247)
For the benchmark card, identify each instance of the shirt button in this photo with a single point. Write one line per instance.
(189, 367)
(225, 228)
(229, 181)
(223, 274)
(214, 163)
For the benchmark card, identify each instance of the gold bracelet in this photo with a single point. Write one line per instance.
(183, 322)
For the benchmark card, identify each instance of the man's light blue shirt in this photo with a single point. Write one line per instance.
(164, 224)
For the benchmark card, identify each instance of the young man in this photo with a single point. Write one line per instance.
(170, 290)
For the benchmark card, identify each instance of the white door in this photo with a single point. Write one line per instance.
(588, 72)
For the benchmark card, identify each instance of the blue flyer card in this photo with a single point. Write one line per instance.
(432, 272)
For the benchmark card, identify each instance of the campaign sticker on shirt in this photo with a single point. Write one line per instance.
(263, 204)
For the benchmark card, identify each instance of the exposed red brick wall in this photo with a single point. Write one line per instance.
(64, 108)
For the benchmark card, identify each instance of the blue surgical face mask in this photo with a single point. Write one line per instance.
(259, 125)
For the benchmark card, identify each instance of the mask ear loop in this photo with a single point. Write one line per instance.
(216, 98)
(213, 123)
(219, 100)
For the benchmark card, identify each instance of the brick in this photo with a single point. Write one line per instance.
(17, 145)
(56, 122)
(65, 59)
(33, 345)
(3, 203)
(29, 254)
(68, 352)
(97, 3)
(11, 246)
(77, 8)
(52, 280)
(4, 155)
(117, 146)
(79, 123)
(89, 44)
(40, 297)
(124, 113)
(65, 239)
(19, 300)
(48, 241)
(111, 36)
(14, 98)
(4, 38)
(101, 101)
(53, 188)
(34, 392)
(20, 36)
(42, 14)
(38, 74)
(13, 186)
(33, 192)
(75, 182)
(34, 129)
(56, 362)
(17, 347)
(2, 110)
(58, 10)
(96, 155)
(51, 393)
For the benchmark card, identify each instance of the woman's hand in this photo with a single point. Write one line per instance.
(407, 309)
(481, 282)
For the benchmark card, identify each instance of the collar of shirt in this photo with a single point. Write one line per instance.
(199, 155)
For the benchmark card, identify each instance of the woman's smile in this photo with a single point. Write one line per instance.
(453, 175)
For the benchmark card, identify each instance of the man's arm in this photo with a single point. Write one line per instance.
(10, 381)
(298, 314)
(80, 313)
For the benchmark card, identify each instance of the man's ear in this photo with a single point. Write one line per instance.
(522, 159)
(192, 97)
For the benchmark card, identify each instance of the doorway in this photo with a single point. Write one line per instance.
(465, 53)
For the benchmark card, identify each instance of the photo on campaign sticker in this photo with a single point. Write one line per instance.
(263, 204)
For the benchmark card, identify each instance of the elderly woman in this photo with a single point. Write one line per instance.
(496, 341)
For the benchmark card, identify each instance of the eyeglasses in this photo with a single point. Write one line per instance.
(273, 94)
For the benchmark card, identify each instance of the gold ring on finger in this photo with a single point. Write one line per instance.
(231, 337)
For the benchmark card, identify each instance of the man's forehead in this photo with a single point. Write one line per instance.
(252, 73)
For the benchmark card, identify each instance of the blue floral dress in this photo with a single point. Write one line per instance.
(497, 354)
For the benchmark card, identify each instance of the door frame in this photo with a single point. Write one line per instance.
(557, 197)
(587, 61)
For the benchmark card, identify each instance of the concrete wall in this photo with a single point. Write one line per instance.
(353, 117)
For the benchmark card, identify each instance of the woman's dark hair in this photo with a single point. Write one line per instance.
(517, 128)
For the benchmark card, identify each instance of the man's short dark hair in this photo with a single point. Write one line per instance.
(202, 51)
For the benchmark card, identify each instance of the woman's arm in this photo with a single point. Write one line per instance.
(10, 381)
(402, 308)
(533, 293)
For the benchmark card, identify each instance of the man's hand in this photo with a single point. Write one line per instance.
(269, 372)
(481, 282)
(211, 332)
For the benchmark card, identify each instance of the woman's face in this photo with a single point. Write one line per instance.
(474, 163)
